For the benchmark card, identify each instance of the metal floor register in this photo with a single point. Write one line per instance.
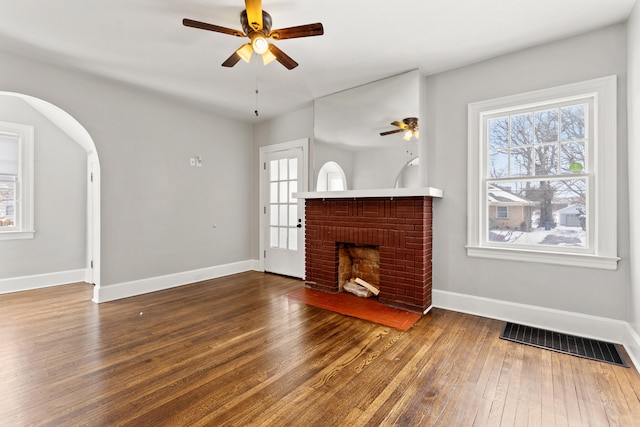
(563, 343)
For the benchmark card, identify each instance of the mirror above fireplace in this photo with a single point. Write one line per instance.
(347, 132)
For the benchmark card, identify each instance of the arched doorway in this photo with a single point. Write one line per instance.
(77, 133)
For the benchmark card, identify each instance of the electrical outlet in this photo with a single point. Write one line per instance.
(192, 161)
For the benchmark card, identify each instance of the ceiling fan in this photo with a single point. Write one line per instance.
(256, 25)
(409, 126)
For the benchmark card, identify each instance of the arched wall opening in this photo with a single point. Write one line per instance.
(331, 177)
(78, 134)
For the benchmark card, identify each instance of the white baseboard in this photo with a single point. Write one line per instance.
(600, 328)
(26, 283)
(153, 284)
(633, 346)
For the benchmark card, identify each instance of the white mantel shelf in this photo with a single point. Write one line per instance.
(381, 192)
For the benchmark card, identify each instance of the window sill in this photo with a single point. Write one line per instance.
(16, 235)
(556, 258)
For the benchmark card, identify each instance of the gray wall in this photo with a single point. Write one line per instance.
(581, 290)
(590, 291)
(157, 212)
(60, 190)
(633, 64)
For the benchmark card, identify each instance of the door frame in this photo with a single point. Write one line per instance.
(299, 143)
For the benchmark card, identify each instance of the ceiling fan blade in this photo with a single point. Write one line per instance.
(210, 27)
(296, 32)
(254, 13)
(243, 52)
(389, 132)
(232, 60)
(399, 124)
(282, 57)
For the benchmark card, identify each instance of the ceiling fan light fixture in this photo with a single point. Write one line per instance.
(259, 43)
(268, 57)
(256, 25)
(245, 52)
(408, 134)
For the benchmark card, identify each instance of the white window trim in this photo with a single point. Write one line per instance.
(603, 241)
(25, 214)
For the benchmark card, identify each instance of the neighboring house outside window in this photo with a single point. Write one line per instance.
(542, 168)
(16, 181)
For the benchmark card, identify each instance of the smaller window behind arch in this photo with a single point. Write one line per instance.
(16, 181)
(331, 177)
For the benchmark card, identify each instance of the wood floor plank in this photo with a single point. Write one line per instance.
(236, 351)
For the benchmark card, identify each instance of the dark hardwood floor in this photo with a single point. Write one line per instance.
(236, 352)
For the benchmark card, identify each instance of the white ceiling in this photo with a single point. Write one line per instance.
(143, 42)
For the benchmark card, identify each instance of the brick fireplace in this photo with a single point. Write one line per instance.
(400, 227)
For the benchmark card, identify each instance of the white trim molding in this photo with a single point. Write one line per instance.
(152, 284)
(584, 325)
(36, 281)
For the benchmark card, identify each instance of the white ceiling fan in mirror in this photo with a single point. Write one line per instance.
(348, 127)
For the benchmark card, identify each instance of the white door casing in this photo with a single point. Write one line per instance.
(284, 171)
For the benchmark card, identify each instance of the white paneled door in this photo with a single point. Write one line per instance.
(283, 227)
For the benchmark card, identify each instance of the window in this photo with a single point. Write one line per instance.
(542, 171)
(502, 212)
(16, 181)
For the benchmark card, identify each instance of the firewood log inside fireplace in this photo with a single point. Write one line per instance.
(361, 288)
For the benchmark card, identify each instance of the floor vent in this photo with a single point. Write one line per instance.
(563, 343)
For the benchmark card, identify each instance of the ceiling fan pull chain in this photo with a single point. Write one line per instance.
(256, 110)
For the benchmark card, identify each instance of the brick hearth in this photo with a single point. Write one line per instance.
(399, 226)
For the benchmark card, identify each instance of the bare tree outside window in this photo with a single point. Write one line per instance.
(538, 160)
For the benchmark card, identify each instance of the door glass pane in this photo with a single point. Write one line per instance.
(273, 194)
(273, 168)
(274, 237)
(293, 188)
(284, 193)
(273, 215)
(293, 215)
(283, 215)
(283, 238)
(283, 170)
(293, 168)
